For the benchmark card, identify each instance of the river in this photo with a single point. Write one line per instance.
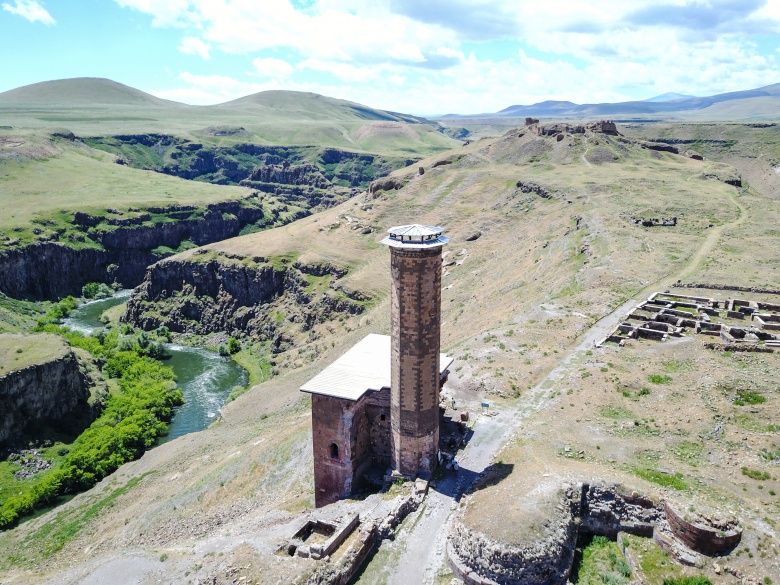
(205, 377)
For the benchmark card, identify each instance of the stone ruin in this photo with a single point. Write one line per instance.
(666, 315)
(653, 221)
(318, 538)
(584, 510)
(561, 130)
(604, 127)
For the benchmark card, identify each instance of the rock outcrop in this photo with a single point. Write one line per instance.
(52, 389)
(259, 297)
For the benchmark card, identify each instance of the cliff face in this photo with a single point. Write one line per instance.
(119, 249)
(49, 390)
(270, 300)
(224, 165)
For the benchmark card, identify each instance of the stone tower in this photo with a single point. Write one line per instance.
(415, 265)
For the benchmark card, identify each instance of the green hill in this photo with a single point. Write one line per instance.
(81, 91)
(101, 107)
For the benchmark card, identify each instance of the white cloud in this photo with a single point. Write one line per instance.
(30, 10)
(273, 68)
(165, 13)
(344, 71)
(210, 89)
(195, 46)
(410, 56)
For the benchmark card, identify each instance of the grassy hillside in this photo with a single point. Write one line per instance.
(85, 91)
(102, 107)
(542, 247)
(48, 175)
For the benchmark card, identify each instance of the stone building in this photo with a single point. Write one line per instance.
(377, 406)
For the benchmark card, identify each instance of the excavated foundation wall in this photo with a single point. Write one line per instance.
(479, 560)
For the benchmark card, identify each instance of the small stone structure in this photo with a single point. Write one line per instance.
(317, 539)
(654, 221)
(377, 407)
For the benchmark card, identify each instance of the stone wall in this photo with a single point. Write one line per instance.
(606, 512)
(479, 560)
(333, 470)
(709, 540)
(378, 415)
(588, 509)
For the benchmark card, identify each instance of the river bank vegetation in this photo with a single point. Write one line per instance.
(133, 418)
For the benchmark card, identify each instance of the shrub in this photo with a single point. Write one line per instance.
(96, 290)
(233, 346)
(131, 422)
(659, 378)
(56, 313)
(756, 474)
(698, 580)
(744, 397)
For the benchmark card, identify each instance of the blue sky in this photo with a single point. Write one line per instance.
(416, 56)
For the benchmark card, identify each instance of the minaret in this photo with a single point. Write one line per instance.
(415, 265)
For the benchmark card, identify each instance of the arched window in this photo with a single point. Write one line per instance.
(334, 451)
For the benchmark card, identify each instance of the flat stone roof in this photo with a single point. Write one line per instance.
(363, 368)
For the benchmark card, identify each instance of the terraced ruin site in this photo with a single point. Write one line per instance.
(612, 407)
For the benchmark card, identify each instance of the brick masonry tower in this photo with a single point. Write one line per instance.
(415, 265)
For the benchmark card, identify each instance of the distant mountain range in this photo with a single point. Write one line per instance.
(668, 97)
(662, 104)
(98, 93)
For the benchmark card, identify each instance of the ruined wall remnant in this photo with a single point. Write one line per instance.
(586, 509)
(341, 446)
(604, 127)
(701, 537)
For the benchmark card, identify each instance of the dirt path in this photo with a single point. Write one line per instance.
(418, 553)
(712, 238)
(584, 159)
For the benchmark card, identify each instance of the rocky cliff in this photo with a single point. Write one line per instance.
(118, 246)
(270, 299)
(229, 165)
(51, 389)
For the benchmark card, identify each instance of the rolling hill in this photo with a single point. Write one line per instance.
(81, 91)
(100, 107)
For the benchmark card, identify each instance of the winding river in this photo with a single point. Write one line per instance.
(204, 376)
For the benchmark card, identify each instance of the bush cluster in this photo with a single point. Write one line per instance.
(96, 290)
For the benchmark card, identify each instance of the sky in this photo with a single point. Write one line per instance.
(415, 56)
